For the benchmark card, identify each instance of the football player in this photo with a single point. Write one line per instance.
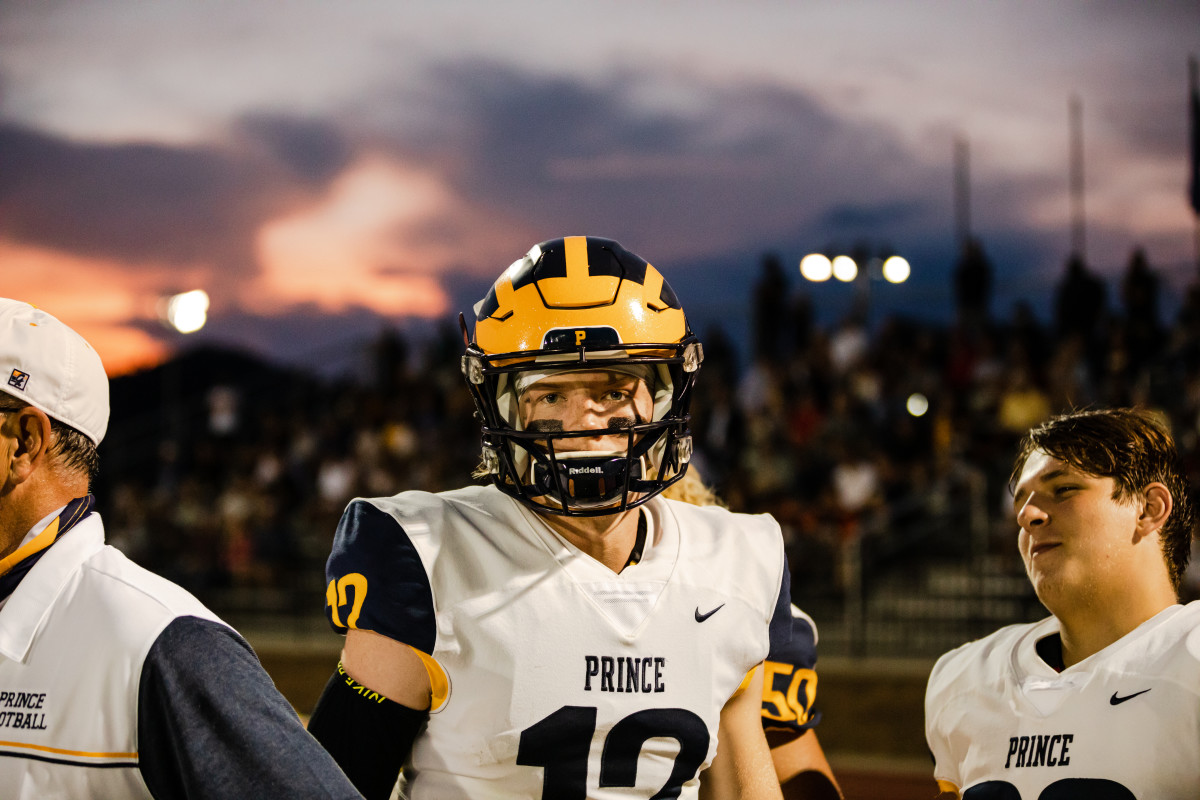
(789, 688)
(1102, 699)
(564, 632)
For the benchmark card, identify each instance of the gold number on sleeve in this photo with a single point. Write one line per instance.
(335, 597)
(801, 693)
(794, 705)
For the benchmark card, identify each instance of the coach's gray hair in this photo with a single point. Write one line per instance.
(68, 447)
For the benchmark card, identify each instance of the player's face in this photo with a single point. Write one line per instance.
(1075, 539)
(600, 400)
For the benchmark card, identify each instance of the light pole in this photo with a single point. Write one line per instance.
(183, 313)
(895, 269)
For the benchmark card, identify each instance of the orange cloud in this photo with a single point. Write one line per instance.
(97, 298)
(343, 251)
(383, 237)
(380, 238)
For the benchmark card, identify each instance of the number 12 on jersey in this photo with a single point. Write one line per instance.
(561, 743)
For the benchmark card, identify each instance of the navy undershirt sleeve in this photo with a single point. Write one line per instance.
(780, 632)
(211, 724)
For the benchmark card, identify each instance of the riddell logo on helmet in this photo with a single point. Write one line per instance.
(585, 470)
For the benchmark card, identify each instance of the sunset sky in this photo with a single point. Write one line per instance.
(325, 169)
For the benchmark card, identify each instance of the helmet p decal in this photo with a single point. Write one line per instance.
(567, 338)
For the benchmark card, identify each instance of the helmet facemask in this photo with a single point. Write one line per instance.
(540, 467)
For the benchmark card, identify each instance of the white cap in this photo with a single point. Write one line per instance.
(53, 368)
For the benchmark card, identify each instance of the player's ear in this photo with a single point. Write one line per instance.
(1156, 507)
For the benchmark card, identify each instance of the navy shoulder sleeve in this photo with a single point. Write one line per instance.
(375, 579)
(781, 619)
(211, 724)
(790, 678)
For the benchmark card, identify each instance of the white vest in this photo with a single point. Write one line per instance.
(73, 638)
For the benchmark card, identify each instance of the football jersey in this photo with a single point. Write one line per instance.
(553, 676)
(1123, 723)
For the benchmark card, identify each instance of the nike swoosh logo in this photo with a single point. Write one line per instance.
(1116, 701)
(701, 617)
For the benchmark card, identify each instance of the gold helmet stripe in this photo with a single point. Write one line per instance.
(576, 252)
(578, 288)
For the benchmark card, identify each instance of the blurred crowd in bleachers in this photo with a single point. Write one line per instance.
(226, 474)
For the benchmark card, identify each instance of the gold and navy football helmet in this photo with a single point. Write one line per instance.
(581, 303)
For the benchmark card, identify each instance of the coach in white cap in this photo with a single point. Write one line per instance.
(114, 682)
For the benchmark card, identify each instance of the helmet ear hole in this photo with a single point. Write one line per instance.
(581, 303)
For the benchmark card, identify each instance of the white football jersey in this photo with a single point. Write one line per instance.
(562, 679)
(1121, 724)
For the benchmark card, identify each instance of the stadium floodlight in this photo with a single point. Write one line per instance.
(896, 269)
(816, 267)
(844, 268)
(188, 311)
(917, 404)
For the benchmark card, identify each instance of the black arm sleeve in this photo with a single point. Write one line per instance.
(368, 735)
(211, 724)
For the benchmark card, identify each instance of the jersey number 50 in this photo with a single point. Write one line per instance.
(561, 741)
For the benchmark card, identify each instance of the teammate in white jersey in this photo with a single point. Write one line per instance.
(564, 632)
(114, 682)
(1101, 700)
